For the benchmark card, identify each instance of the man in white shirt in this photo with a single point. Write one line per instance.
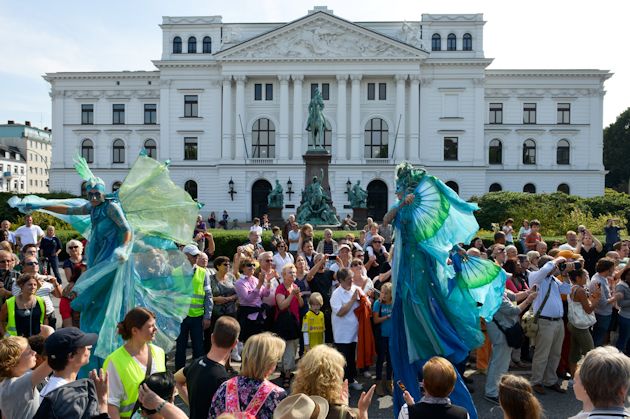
(345, 324)
(29, 233)
(6, 225)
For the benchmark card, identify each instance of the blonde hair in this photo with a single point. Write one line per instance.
(316, 298)
(439, 377)
(386, 287)
(286, 267)
(74, 242)
(261, 354)
(5, 245)
(320, 373)
(11, 350)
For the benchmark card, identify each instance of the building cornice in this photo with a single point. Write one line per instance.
(184, 64)
(542, 73)
(107, 75)
(460, 62)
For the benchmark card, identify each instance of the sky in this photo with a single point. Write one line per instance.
(43, 36)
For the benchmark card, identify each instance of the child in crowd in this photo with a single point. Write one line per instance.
(382, 320)
(438, 383)
(534, 237)
(313, 324)
(517, 399)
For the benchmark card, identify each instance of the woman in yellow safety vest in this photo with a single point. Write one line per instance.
(24, 314)
(127, 366)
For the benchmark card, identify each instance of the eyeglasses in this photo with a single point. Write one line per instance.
(501, 251)
(250, 265)
(6, 261)
(376, 241)
(32, 263)
(73, 247)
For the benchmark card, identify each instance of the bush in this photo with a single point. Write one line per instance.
(557, 212)
(226, 241)
(43, 220)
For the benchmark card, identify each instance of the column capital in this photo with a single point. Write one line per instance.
(342, 77)
(414, 78)
(297, 78)
(284, 78)
(240, 79)
(356, 77)
(227, 79)
(401, 78)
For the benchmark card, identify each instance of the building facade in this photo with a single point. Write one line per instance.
(27, 155)
(228, 102)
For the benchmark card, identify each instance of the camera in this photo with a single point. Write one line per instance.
(576, 266)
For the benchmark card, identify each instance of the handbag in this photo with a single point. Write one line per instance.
(513, 334)
(579, 318)
(529, 321)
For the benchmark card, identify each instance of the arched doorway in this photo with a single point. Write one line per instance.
(453, 185)
(260, 192)
(377, 199)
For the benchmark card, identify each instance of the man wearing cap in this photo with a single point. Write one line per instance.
(376, 256)
(342, 260)
(68, 350)
(200, 309)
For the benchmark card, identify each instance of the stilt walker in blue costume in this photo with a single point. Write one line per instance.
(440, 293)
(130, 253)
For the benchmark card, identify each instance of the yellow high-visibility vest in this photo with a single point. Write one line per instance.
(11, 328)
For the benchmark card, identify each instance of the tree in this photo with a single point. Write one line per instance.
(616, 149)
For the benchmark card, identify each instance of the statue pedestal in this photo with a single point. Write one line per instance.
(360, 215)
(316, 161)
(275, 217)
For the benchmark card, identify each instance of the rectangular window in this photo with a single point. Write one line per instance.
(564, 113)
(325, 91)
(529, 113)
(382, 91)
(371, 91)
(258, 91)
(268, 91)
(118, 112)
(450, 148)
(496, 113)
(191, 106)
(87, 114)
(313, 87)
(190, 148)
(150, 114)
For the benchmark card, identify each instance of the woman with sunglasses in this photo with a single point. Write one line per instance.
(73, 267)
(250, 291)
(47, 286)
(282, 256)
(223, 295)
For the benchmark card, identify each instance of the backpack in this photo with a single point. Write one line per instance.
(232, 403)
(75, 400)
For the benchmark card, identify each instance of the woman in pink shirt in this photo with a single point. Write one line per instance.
(250, 291)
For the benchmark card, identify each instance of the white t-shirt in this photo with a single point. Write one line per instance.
(293, 235)
(29, 235)
(279, 261)
(54, 383)
(117, 392)
(345, 328)
(18, 398)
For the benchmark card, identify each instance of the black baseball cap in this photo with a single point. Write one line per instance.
(67, 340)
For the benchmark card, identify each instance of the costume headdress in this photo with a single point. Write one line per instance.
(407, 177)
(82, 168)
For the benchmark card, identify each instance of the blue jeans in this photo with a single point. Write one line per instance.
(600, 329)
(192, 326)
(624, 333)
(383, 354)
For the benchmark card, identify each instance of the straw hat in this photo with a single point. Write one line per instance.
(301, 406)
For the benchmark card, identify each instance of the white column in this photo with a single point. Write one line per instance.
(283, 137)
(414, 116)
(298, 128)
(240, 117)
(399, 120)
(355, 118)
(342, 132)
(226, 137)
(478, 139)
(424, 148)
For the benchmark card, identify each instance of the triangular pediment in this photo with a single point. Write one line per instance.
(321, 36)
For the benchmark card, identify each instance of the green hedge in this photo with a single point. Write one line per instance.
(226, 241)
(557, 212)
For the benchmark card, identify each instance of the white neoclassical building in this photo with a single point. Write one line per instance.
(228, 102)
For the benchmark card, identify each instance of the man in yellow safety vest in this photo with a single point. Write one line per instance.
(200, 309)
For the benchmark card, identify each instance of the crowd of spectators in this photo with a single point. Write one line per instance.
(320, 315)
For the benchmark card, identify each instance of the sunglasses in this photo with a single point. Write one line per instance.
(73, 247)
(32, 263)
(250, 265)
(354, 265)
(376, 241)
